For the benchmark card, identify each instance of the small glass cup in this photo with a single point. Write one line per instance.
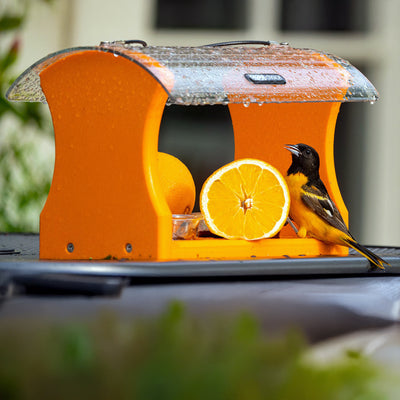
(186, 226)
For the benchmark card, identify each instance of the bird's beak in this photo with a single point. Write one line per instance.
(294, 149)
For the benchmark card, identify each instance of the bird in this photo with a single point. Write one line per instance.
(312, 210)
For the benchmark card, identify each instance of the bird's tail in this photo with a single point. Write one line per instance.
(372, 257)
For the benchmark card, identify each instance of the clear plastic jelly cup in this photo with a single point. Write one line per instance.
(186, 226)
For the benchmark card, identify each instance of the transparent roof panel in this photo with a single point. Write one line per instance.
(272, 73)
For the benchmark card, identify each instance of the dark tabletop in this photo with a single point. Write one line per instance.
(324, 296)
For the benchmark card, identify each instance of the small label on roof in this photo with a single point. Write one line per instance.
(266, 79)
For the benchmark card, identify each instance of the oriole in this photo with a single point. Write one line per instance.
(312, 209)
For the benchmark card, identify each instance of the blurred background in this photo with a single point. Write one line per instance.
(365, 32)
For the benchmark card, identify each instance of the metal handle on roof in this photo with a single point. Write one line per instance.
(122, 42)
(132, 41)
(241, 42)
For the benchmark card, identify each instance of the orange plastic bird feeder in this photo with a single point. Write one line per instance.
(107, 102)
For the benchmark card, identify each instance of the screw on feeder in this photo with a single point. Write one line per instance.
(70, 247)
(128, 248)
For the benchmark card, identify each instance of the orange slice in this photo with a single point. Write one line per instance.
(246, 199)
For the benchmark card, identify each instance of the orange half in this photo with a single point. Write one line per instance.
(246, 199)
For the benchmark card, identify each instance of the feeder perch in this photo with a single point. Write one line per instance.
(106, 104)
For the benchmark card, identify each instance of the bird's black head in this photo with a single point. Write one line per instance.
(305, 159)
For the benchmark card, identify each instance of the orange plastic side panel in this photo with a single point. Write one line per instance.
(105, 201)
(262, 132)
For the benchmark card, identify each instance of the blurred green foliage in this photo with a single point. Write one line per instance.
(172, 357)
(25, 173)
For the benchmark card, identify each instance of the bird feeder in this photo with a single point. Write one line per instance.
(106, 104)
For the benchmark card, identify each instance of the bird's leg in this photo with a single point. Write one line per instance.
(292, 225)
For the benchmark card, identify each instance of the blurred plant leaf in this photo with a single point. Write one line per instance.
(24, 180)
(9, 58)
(10, 22)
(173, 356)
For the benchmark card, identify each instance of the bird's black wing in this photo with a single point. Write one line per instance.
(315, 197)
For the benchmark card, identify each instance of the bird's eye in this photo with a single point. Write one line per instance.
(308, 151)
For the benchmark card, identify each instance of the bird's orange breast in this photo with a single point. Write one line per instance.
(307, 221)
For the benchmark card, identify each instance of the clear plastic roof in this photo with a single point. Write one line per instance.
(268, 73)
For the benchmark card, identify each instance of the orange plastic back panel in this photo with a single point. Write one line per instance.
(262, 132)
(105, 199)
